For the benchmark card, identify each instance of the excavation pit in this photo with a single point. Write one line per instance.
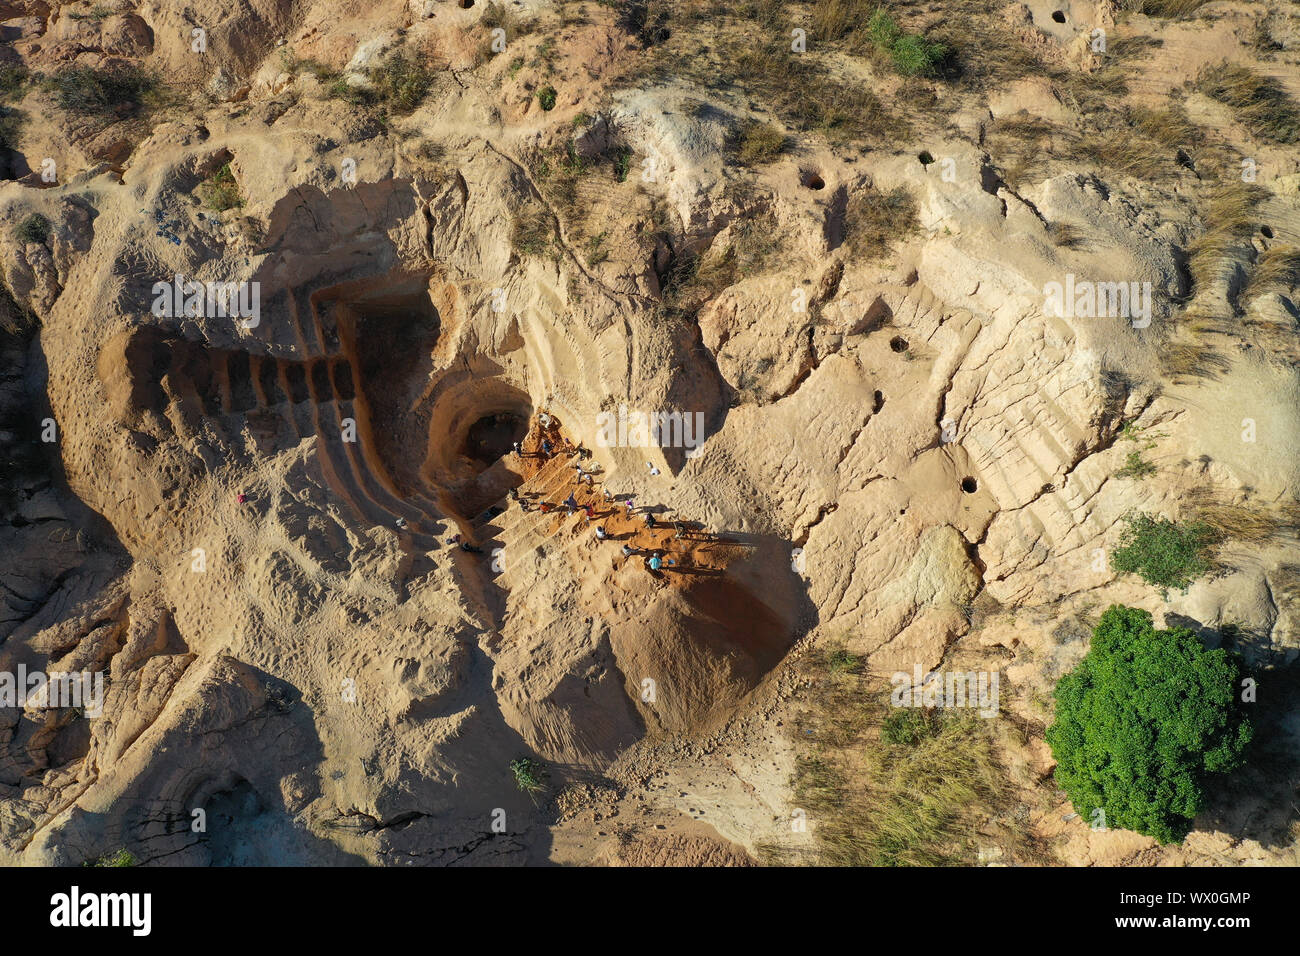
(490, 438)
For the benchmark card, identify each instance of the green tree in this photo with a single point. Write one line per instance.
(1163, 553)
(1142, 720)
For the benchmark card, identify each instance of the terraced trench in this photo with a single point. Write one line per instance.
(418, 441)
(401, 444)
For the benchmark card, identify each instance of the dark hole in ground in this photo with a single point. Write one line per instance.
(969, 485)
(925, 157)
(343, 381)
(1266, 232)
(878, 401)
(297, 378)
(239, 369)
(1058, 16)
(268, 376)
(320, 380)
(810, 179)
(898, 343)
(490, 438)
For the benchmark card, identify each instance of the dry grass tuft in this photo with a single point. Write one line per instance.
(1230, 221)
(1258, 102)
(886, 786)
(874, 219)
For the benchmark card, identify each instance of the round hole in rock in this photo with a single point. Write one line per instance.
(809, 179)
(491, 436)
(878, 401)
(969, 485)
(898, 343)
(466, 4)
(925, 157)
(1058, 16)
(1266, 232)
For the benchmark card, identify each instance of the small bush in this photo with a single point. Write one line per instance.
(312, 67)
(546, 97)
(1255, 522)
(35, 228)
(120, 858)
(402, 84)
(622, 158)
(1163, 553)
(1277, 269)
(112, 92)
(910, 725)
(1230, 221)
(910, 53)
(596, 250)
(840, 661)
(13, 79)
(529, 775)
(99, 12)
(398, 85)
(1135, 466)
(219, 191)
(916, 56)
(917, 795)
(1143, 142)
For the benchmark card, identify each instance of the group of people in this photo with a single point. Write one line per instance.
(655, 559)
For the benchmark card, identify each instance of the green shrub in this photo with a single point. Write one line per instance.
(910, 725)
(13, 78)
(546, 97)
(398, 85)
(35, 228)
(106, 93)
(1142, 720)
(402, 84)
(1163, 553)
(914, 55)
(622, 158)
(882, 29)
(1135, 466)
(11, 122)
(529, 775)
(911, 54)
(840, 661)
(120, 858)
(219, 191)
